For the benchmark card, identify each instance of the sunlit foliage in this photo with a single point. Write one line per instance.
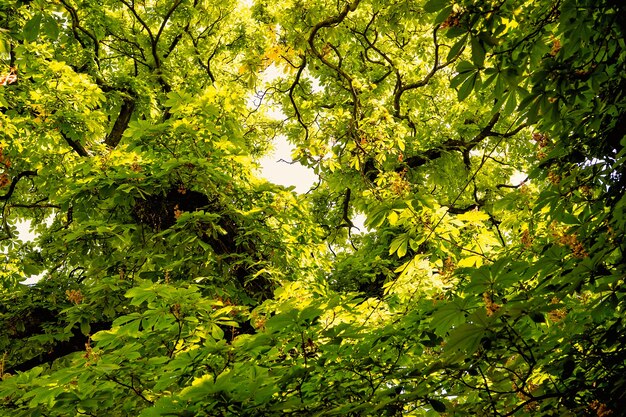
(483, 142)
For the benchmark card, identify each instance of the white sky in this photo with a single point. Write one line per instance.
(275, 167)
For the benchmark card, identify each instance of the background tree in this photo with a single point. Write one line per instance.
(483, 141)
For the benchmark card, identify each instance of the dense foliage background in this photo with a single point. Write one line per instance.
(483, 141)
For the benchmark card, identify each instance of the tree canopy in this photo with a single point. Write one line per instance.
(483, 141)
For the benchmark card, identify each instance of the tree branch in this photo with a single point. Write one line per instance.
(131, 386)
(76, 27)
(8, 195)
(155, 40)
(121, 123)
(330, 22)
(293, 101)
(75, 343)
(14, 182)
(76, 146)
(462, 210)
(459, 145)
(346, 208)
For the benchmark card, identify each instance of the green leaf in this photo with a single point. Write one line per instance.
(31, 28)
(443, 15)
(310, 313)
(488, 39)
(459, 79)
(50, 27)
(455, 31)
(432, 6)
(568, 218)
(437, 405)
(537, 317)
(85, 327)
(448, 316)
(465, 66)
(216, 332)
(464, 339)
(478, 52)
(533, 111)
(466, 88)
(282, 321)
(526, 101)
(457, 48)
(31, 269)
(510, 104)
(399, 245)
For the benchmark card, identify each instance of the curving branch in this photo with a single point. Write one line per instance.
(210, 29)
(327, 23)
(14, 182)
(293, 101)
(179, 36)
(131, 8)
(166, 18)
(460, 145)
(41, 203)
(122, 121)
(462, 210)
(498, 186)
(139, 57)
(75, 343)
(130, 386)
(7, 196)
(346, 208)
(155, 41)
(402, 88)
(76, 27)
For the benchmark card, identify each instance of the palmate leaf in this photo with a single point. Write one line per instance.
(457, 47)
(399, 245)
(448, 316)
(464, 340)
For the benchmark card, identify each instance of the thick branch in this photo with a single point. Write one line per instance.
(498, 186)
(402, 88)
(131, 7)
(293, 101)
(421, 159)
(14, 182)
(485, 132)
(459, 145)
(41, 203)
(128, 106)
(346, 208)
(462, 210)
(77, 146)
(76, 343)
(205, 33)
